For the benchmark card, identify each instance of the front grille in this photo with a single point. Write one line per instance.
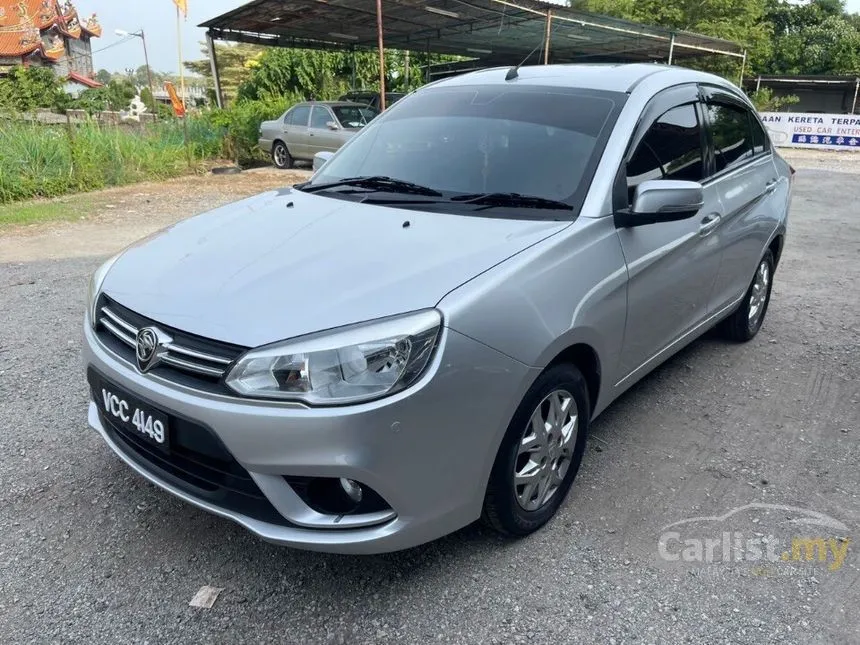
(197, 463)
(191, 360)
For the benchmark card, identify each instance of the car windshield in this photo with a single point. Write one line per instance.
(529, 140)
(354, 116)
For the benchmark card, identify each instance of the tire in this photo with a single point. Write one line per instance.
(517, 510)
(281, 156)
(747, 319)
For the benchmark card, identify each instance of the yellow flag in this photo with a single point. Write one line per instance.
(183, 6)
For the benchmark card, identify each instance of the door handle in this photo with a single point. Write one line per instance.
(770, 186)
(709, 224)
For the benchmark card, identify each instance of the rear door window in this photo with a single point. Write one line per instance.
(300, 115)
(671, 149)
(731, 135)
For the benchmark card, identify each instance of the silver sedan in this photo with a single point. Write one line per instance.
(422, 334)
(308, 128)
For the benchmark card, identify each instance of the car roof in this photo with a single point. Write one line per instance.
(608, 76)
(330, 103)
(370, 93)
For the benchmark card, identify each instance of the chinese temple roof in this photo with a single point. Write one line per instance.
(22, 23)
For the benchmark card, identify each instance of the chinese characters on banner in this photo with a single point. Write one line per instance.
(828, 131)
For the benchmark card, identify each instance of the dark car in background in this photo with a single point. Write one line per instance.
(372, 98)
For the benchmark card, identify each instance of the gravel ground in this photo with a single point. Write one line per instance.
(89, 552)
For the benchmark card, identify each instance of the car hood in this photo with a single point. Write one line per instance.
(286, 263)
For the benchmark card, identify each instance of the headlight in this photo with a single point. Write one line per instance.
(350, 365)
(96, 286)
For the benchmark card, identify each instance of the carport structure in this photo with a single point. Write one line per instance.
(491, 32)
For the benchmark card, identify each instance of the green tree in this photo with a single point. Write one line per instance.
(813, 38)
(233, 66)
(115, 96)
(103, 76)
(765, 101)
(741, 21)
(148, 100)
(25, 89)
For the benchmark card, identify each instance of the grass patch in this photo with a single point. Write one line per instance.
(41, 211)
(44, 161)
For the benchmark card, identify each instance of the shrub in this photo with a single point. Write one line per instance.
(45, 161)
(765, 101)
(240, 125)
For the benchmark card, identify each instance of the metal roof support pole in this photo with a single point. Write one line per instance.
(743, 69)
(352, 64)
(381, 45)
(856, 91)
(427, 69)
(216, 76)
(672, 48)
(547, 36)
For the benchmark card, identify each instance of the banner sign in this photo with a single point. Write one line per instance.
(822, 131)
(178, 105)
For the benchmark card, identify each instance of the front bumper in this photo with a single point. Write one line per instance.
(427, 451)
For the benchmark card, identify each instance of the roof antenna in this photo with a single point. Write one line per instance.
(513, 72)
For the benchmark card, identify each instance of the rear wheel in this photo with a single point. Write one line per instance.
(281, 156)
(540, 453)
(744, 324)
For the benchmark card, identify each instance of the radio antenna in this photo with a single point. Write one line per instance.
(513, 72)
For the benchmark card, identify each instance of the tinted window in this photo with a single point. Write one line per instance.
(320, 117)
(759, 138)
(730, 128)
(671, 149)
(355, 116)
(299, 115)
(530, 140)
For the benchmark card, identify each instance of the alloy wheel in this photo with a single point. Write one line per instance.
(758, 295)
(546, 450)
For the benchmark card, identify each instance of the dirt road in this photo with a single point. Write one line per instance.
(761, 440)
(117, 217)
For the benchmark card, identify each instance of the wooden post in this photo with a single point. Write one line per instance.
(381, 45)
(406, 70)
(216, 76)
(546, 37)
(179, 45)
(743, 69)
(672, 48)
(148, 72)
(856, 91)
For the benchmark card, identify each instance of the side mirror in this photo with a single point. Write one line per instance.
(662, 200)
(332, 125)
(320, 158)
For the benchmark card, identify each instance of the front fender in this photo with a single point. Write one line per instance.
(570, 288)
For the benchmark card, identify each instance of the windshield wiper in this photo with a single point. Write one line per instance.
(513, 200)
(379, 182)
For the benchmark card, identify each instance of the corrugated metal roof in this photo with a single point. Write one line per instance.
(493, 31)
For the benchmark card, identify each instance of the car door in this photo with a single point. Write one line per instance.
(320, 136)
(743, 172)
(296, 131)
(671, 266)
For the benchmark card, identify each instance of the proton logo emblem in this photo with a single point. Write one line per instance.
(150, 344)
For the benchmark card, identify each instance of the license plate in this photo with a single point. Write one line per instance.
(133, 416)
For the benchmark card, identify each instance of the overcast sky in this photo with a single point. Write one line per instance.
(158, 19)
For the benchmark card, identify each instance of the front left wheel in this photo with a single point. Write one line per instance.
(281, 156)
(540, 453)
